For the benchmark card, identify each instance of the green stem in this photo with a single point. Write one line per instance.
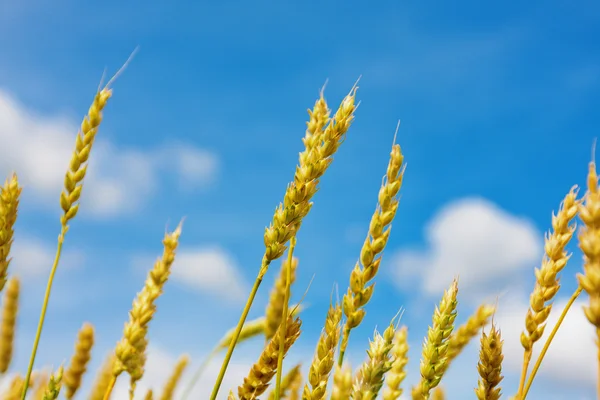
(236, 334)
(38, 333)
(549, 340)
(284, 318)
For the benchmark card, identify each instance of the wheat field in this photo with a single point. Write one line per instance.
(328, 372)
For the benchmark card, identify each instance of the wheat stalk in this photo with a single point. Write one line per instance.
(274, 308)
(547, 282)
(360, 291)
(258, 379)
(131, 350)
(589, 242)
(323, 138)
(169, 389)
(435, 347)
(10, 309)
(81, 357)
(490, 366)
(370, 377)
(9, 204)
(323, 360)
(397, 373)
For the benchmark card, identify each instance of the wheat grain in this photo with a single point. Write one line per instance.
(81, 357)
(397, 373)
(274, 308)
(9, 204)
(10, 309)
(169, 389)
(360, 291)
(261, 373)
(490, 365)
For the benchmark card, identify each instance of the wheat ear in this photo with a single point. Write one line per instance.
(69, 199)
(131, 350)
(149, 395)
(370, 377)
(435, 347)
(323, 360)
(342, 382)
(490, 365)
(9, 204)
(547, 282)
(13, 392)
(322, 140)
(103, 378)
(288, 383)
(295, 387)
(589, 242)
(274, 308)
(79, 361)
(360, 289)
(42, 381)
(54, 385)
(10, 308)
(258, 379)
(397, 374)
(169, 389)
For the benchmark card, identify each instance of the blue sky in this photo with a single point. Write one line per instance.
(498, 105)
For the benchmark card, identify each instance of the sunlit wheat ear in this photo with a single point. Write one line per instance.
(324, 358)
(360, 289)
(15, 387)
(490, 365)
(260, 375)
(289, 383)
(369, 379)
(149, 395)
(169, 390)
(54, 385)
(9, 204)
(342, 382)
(397, 374)
(464, 333)
(103, 377)
(10, 308)
(277, 298)
(41, 383)
(251, 329)
(322, 140)
(79, 361)
(435, 347)
(131, 350)
(295, 387)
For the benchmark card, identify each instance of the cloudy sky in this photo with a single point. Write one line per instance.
(498, 104)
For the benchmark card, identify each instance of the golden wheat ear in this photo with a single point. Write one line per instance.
(169, 389)
(342, 382)
(274, 310)
(10, 308)
(258, 379)
(103, 378)
(9, 204)
(397, 374)
(490, 365)
(83, 352)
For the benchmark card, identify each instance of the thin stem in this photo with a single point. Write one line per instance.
(38, 333)
(111, 386)
(526, 361)
(236, 336)
(549, 340)
(284, 318)
(344, 342)
(198, 374)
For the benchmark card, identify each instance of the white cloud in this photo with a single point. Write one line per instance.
(119, 180)
(210, 269)
(477, 241)
(571, 357)
(32, 257)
